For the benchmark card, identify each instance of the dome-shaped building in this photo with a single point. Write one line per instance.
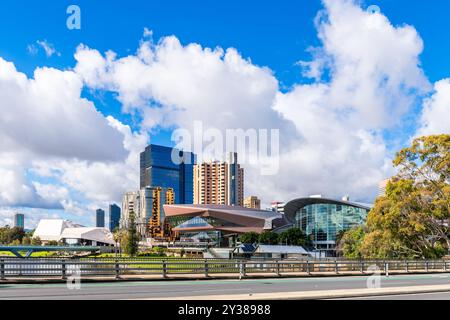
(323, 219)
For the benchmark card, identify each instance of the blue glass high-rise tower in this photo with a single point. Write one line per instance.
(168, 168)
(100, 218)
(114, 217)
(19, 221)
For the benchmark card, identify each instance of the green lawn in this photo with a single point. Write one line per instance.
(43, 254)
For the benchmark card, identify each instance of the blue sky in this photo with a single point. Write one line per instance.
(273, 34)
(276, 34)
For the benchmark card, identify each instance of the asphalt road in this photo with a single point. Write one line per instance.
(164, 289)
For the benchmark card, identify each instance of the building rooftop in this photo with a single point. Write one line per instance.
(92, 234)
(51, 229)
(263, 248)
(236, 210)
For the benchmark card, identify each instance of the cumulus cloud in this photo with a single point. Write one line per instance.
(436, 111)
(181, 84)
(46, 115)
(366, 75)
(104, 182)
(374, 67)
(48, 133)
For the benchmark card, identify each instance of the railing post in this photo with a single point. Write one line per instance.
(2, 269)
(164, 270)
(426, 266)
(445, 265)
(386, 269)
(278, 267)
(362, 267)
(63, 269)
(308, 268)
(117, 269)
(206, 268)
(336, 267)
(406, 266)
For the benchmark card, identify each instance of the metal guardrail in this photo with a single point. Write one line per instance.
(62, 268)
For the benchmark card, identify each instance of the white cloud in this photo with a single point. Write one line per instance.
(181, 84)
(367, 76)
(47, 47)
(436, 111)
(32, 49)
(46, 115)
(148, 33)
(49, 132)
(372, 79)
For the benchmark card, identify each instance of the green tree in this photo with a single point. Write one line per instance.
(26, 241)
(249, 237)
(36, 241)
(9, 235)
(120, 236)
(268, 238)
(16, 242)
(350, 243)
(411, 219)
(132, 239)
(293, 237)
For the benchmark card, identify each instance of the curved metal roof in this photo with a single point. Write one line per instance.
(293, 206)
(234, 210)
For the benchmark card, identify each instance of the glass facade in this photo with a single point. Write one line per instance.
(114, 217)
(19, 220)
(322, 222)
(157, 169)
(190, 228)
(209, 236)
(196, 222)
(185, 222)
(100, 218)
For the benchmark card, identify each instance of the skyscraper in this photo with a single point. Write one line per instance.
(100, 218)
(168, 168)
(252, 202)
(130, 203)
(219, 182)
(147, 206)
(114, 216)
(19, 221)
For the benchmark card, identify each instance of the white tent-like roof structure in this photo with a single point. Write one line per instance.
(51, 229)
(102, 235)
(58, 229)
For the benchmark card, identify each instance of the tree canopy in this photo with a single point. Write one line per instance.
(11, 235)
(412, 219)
(293, 237)
(249, 237)
(131, 245)
(268, 238)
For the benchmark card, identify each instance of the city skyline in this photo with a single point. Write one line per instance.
(345, 87)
